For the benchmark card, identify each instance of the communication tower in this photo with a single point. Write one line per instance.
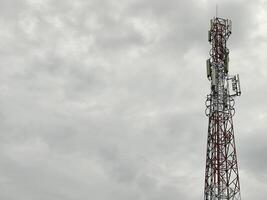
(221, 175)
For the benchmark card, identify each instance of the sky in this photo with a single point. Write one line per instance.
(104, 99)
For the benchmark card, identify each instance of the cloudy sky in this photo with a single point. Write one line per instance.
(104, 99)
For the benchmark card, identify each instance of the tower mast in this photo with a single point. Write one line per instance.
(221, 175)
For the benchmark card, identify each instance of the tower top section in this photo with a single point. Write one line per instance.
(220, 30)
(218, 63)
(220, 25)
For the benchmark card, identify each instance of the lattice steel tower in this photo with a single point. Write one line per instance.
(221, 175)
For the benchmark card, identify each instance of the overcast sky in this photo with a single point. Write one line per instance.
(104, 99)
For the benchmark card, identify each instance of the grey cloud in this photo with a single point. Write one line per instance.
(105, 99)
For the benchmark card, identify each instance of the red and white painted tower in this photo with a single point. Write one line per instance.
(221, 175)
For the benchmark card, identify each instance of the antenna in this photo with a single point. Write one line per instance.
(216, 10)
